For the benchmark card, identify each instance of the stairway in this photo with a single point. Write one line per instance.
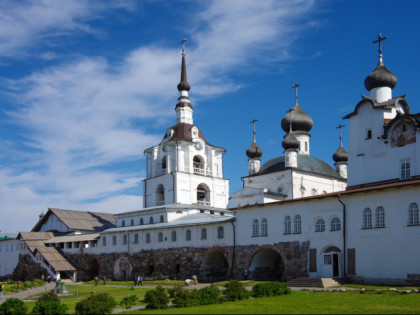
(306, 282)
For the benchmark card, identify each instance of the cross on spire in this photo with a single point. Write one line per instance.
(379, 40)
(341, 135)
(253, 121)
(290, 119)
(296, 90)
(183, 41)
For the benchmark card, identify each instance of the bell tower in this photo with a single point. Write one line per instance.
(184, 168)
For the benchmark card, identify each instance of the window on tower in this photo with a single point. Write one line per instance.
(405, 169)
(198, 165)
(160, 195)
(368, 134)
(203, 195)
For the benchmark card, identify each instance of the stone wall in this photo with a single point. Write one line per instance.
(27, 269)
(209, 264)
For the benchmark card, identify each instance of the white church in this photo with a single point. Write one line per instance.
(296, 215)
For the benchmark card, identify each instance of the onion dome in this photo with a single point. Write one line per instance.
(380, 77)
(301, 121)
(290, 142)
(340, 155)
(254, 151)
(183, 85)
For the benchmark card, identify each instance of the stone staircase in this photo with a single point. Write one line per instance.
(306, 282)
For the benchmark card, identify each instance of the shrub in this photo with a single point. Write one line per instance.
(13, 307)
(49, 307)
(96, 304)
(129, 301)
(235, 290)
(270, 289)
(173, 291)
(156, 299)
(210, 295)
(185, 298)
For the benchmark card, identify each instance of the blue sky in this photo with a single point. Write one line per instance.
(86, 86)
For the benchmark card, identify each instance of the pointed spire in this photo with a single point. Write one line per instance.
(183, 84)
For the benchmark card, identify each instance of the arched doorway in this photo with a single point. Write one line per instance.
(122, 268)
(266, 264)
(214, 267)
(332, 262)
(92, 268)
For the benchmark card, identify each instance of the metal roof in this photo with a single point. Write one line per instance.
(193, 219)
(80, 220)
(31, 236)
(305, 163)
(73, 238)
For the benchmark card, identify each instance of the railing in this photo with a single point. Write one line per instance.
(203, 203)
(160, 202)
(202, 171)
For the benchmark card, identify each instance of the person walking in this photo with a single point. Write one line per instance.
(139, 280)
(96, 281)
(135, 280)
(104, 278)
(1, 291)
(49, 279)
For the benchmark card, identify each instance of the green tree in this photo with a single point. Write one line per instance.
(96, 304)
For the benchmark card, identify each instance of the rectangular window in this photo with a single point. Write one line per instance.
(368, 134)
(136, 238)
(405, 169)
(125, 240)
(114, 240)
(103, 241)
(328, 259)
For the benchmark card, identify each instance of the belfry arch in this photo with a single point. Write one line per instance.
(266, 264)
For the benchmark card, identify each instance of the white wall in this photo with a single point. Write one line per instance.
(53, 223)
(9, 255)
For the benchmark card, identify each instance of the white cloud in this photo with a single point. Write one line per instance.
(24, 24)
(88, 118)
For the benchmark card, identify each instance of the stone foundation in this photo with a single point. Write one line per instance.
(411, 280)
(27, 269)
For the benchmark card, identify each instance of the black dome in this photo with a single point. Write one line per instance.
(254, 151)
(340, 155)
(380, 77)
(300, 120)
(290, 142)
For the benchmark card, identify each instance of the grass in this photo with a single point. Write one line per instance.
(308, 302)
(374, 287)
(145, 283)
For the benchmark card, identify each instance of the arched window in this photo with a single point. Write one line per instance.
(125, 240)
(173, 237)
(220, 232)
(203, 195)
(141, 221)
(161, 219)
(160, 237)
(255, 228)
(287, 225)
(320, 225)
(151, 220)
(203, 234)
(335, 224)
(188, 235)
(198, 165)
(413, 214)
(297, 224)
(148, 238)
(380, 217)
(264, 227)
(123, 223)
(160, 195)
(132, 221)
(367, 218)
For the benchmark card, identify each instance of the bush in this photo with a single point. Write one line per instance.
(270, 289)
(129, 301)
(156, 299)
(235, 290)
(176, 288)
(96, 304)
(185, 298)
(49, 304)
(210, 295)
(13, 307)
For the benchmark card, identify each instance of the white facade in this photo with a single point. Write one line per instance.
(9, 255)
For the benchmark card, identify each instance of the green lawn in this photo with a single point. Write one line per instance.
(298, 302)
(307, 302)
